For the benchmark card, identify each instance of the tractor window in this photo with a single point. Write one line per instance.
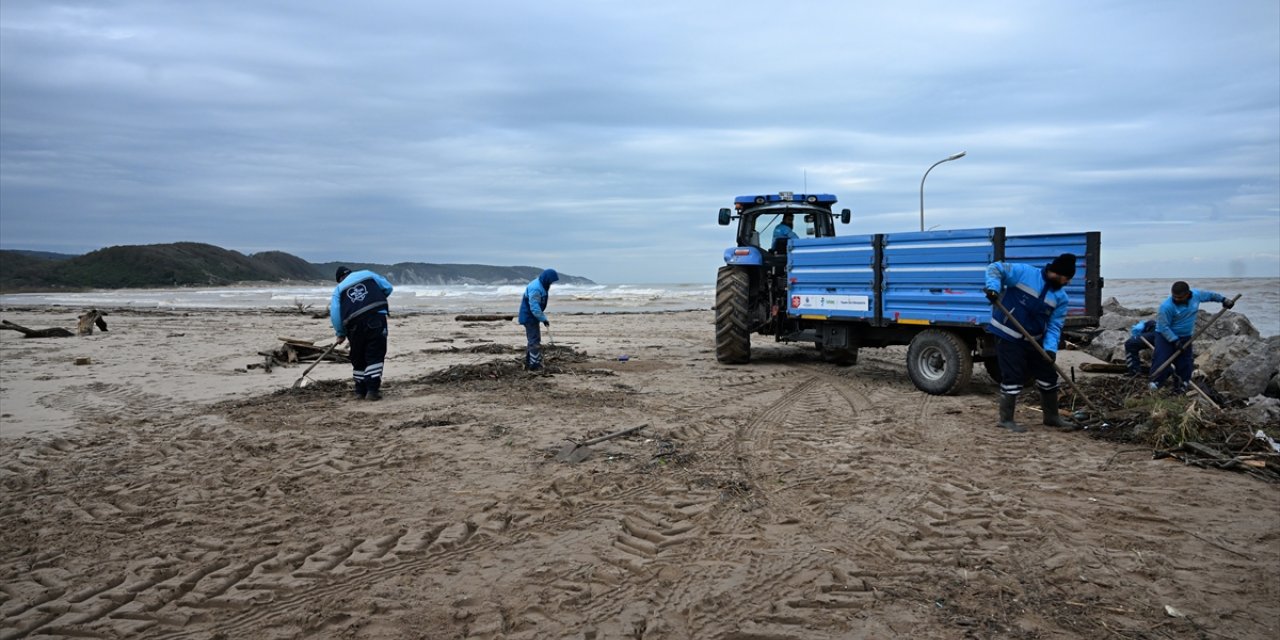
(765, 224)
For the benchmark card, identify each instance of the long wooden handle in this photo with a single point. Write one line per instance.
(1194, 336)
(319, 360)
(615, 434)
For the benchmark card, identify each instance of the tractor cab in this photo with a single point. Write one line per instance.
(762, 237)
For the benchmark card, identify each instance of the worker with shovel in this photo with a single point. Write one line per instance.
(1141, 336)
(1175, 324)
(1035, 299)
(358, 311)
(532, 311)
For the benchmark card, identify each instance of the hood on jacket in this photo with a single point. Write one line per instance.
(548, 276)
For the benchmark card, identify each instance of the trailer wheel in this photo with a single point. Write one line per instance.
(733, 294)
(939, 362)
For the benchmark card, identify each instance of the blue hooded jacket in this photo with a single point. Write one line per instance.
(536, 297)
(1175, 321)
(360, 292)
(1142, 327)
(1041, 310)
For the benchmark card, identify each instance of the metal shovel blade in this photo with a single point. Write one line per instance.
(573, 453)
(578, 451)
(304, 380)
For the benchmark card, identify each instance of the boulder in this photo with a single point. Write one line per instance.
(1230, 324)
(1250, 374)
(1262, 410)
(1215, 356)
(1120, 321)
(1108, 345)
(1113, 307)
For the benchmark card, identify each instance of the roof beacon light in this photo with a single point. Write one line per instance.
(811, 199)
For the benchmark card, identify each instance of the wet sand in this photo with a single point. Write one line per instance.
(164, 491)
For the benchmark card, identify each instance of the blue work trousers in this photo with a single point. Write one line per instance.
(533, 350)
(1182, 366)
(1133, 351)
(1017, 360)
(367, 334)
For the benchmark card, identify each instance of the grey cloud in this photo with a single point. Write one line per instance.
(601, 137)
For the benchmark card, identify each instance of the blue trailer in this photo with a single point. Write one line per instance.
(921, 289)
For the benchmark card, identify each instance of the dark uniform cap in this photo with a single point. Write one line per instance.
(342, 273)
(1064, 265)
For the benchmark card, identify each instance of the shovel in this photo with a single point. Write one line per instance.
(579, 451)
(304, 380)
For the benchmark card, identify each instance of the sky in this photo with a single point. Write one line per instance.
(600, 138)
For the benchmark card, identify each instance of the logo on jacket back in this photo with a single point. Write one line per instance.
(357, 293)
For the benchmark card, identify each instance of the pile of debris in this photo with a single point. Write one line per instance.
(296, 350)
(1189, 428)
(553, 358)
(491, 370)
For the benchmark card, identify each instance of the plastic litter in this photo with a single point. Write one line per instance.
(1262, 435)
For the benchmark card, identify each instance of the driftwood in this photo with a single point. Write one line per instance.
(484, 317)
(90, 319)
(1100, 367)
(55, 332)
(294, 351)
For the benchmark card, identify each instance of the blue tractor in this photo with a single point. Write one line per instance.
(920, 289)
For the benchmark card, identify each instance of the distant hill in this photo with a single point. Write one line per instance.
(197, 264)
(45, 255)
(426, 273)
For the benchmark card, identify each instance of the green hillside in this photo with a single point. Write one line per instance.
(196, 264)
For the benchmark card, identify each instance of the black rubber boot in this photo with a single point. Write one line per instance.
(1049, 403)
(1007, 403)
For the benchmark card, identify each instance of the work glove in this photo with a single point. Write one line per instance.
(1227, 304)
(341, 339)
(546, 323)
(992, 295)
(1183, 343)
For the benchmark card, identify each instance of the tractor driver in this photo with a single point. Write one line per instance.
(783, 232)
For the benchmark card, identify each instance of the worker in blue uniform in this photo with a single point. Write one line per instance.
(784, 232)
(532, 311)
(1034, 296)
(1141, 336)
(358, 312)
(1175, 324)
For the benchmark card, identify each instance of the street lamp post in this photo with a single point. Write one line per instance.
(926, 175)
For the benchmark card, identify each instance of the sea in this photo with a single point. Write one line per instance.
(1260, 298)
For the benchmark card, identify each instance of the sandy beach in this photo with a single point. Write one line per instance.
(167, 491)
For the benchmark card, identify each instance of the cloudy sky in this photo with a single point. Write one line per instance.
(601, 137)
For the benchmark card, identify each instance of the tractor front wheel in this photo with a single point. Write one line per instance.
(733, 296)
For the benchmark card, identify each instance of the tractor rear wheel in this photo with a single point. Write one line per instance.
(733, 295)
